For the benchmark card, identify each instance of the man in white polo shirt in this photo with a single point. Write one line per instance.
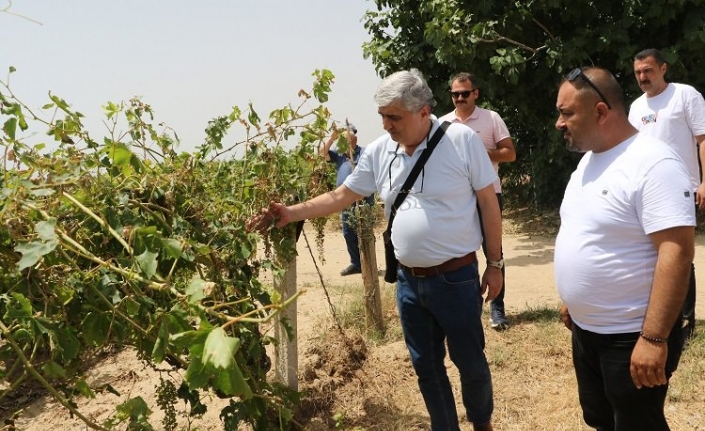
(464, 91)
(436, 232)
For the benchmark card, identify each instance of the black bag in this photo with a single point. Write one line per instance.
(390, 259)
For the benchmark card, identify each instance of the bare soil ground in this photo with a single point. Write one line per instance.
(533, 378)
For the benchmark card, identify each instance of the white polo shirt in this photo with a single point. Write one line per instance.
(438, 220)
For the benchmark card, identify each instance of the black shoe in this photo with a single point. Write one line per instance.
(350, 270)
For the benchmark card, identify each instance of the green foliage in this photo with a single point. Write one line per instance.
(125, 242)
(134, 413)
(520, 50)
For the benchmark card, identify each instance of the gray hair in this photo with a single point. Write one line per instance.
(407, 88)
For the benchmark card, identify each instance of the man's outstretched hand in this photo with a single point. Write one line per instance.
(277, 215)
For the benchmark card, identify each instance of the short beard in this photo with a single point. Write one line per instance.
(570, 146)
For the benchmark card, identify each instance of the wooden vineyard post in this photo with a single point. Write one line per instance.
(365, 215)
(286, 357)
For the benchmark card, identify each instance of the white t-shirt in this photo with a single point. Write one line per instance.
(489, 126)
(438, 220)
(675, 117)
(604, 259)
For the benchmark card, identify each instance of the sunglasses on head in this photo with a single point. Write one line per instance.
(465, 94)
(578, 73)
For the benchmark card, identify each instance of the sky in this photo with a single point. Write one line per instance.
(190, 60)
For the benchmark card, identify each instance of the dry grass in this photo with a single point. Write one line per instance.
(532, 373)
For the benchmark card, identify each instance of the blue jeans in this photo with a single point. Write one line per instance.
(608, 397)
(436, 309)
(350, 235)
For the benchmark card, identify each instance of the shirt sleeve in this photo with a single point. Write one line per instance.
(664, 199)
(362, 179)
(696, 113)
(500, 128)
(481, 171)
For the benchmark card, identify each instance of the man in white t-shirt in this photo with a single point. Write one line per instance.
(464, 91)
(435, 232)
(622, 255)
(675, 114)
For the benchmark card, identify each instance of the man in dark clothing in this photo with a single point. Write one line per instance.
(344, 166)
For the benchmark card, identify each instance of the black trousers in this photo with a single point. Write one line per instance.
(688, 311)
(608, 397)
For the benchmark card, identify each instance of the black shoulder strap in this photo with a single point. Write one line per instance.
(435, 139)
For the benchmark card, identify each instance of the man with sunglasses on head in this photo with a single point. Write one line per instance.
(495, 136)
(675, 114)
(435, 233)
(622, 255)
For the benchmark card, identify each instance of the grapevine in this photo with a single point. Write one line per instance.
(123, 242)
(166, 399)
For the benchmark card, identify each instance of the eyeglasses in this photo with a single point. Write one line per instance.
(465, 94)
(578, 73)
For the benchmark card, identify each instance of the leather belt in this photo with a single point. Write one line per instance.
(447, 266)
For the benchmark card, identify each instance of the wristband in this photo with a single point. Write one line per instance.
(653, 339)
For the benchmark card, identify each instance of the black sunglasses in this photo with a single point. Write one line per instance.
(465, 94)
(578, 73)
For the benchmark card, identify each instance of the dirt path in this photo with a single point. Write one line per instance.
(528, 259)
(529, 271)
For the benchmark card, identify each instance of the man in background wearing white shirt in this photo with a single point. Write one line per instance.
(675, 114)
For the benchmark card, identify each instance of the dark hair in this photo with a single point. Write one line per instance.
(651, 52)
(462, 77)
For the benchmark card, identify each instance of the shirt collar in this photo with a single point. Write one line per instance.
(474, 116)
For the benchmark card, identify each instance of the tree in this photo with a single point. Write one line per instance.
(520, 51)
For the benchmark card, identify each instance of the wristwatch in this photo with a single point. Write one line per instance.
(499, 264)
